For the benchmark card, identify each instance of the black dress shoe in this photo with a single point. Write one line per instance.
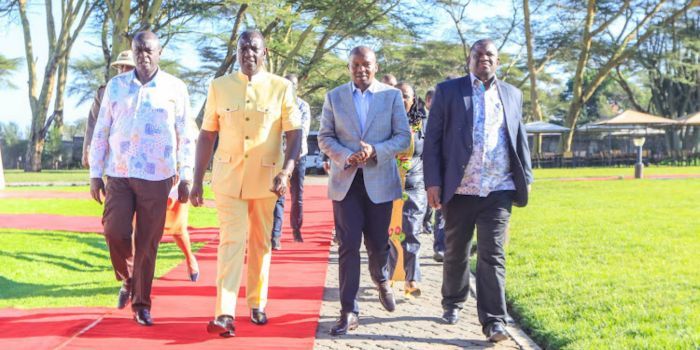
(297, 236)
(386, 296)
(223, 326)
(258, 317)
(276, 244)
(143, 317)
(348, 321)
(451, 315)
(123, 298)
(496, 332)
(439, 257)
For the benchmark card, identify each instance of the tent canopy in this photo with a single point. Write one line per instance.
(542, 127)
(693, 119)
(630, 117)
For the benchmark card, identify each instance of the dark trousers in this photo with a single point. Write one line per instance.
(428, 220)
(439, 232)
(354, 216)
(296, 189)
(412, 224)
(490, 217)
(135, 262)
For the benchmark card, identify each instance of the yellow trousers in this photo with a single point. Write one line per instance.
(240, 221)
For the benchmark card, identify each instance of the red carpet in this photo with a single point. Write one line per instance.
(181, 308)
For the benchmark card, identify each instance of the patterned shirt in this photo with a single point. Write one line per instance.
(305, 125)
(488, 169)
(144, 131)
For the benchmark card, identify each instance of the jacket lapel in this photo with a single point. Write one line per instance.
(510, 118)
(350, 106)
(467, 123)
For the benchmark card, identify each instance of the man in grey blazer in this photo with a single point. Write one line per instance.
(363, 127)
(477, 165)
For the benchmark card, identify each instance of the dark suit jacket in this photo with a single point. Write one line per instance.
(448, 141)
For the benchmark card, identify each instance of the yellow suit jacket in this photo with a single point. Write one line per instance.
(250, 117)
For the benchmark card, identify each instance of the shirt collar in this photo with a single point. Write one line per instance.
(136, 80)
(371, 89)
(476, 82)
(256, 78)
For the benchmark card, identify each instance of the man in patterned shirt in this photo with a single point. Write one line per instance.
(477, 165)
(142, 143)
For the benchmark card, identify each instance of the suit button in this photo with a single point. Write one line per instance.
(245, 156)
(247, 119)
(247, 101)
(247, 137)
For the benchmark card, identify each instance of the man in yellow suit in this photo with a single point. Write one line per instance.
(249, 110)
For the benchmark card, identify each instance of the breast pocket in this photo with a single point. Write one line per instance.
(229, 115)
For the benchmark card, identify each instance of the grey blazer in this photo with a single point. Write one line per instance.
(386, 128)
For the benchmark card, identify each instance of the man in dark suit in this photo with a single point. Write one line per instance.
(477, 165)
(363, 127)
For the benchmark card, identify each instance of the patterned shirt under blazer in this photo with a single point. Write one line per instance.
(250, 117)
(385, 127)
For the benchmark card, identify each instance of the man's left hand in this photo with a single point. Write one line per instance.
(183, 191)
(368, 150)
(280, 184)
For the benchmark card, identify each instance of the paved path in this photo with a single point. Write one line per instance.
(414, 325)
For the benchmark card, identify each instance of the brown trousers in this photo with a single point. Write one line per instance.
(134, 257)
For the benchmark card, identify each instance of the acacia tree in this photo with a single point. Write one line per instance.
(61, 33)
(597, 34)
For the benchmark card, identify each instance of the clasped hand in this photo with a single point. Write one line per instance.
(363, 155)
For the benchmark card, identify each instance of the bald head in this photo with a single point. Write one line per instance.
(251, 34)
(362, 64)
(389, 79)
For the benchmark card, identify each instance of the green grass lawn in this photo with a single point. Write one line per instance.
(608, 264)
(60, 269)
(15, 176)
(556, 173)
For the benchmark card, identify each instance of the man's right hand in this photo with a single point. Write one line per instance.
(434, 197)
(97, 189)
(196, 195)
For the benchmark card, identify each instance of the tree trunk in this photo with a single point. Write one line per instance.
(577, 101)
(534, 101)
(119, 11)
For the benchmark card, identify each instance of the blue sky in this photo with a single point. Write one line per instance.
(15, 102)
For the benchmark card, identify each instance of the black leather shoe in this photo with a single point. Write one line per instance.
(123, 298)
(496, 332)
(276, 244)
(297, 236)
(439, 257)
(143, 317)
(348, 321)
(223, 326)
(258, 317)
(386, 296)
(451, 315)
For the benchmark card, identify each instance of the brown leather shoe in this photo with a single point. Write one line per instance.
(386, 296)
(223, 326)
(348, 321)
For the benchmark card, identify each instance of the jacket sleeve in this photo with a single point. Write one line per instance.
(400, 133)
(432, 145)
(523, 147)
(327, 137)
